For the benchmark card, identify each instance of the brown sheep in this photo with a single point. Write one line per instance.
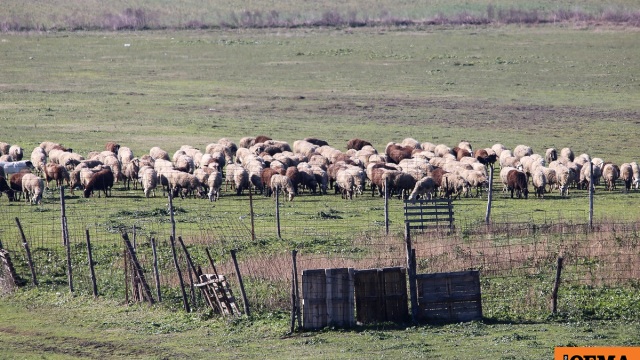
(517, 181)
(261, 138)
(265, 176)
(357, 144)
(295, 176)
(484, 157)
(102, 180)
(397, 153)
(112, 146)
(15, 182)
(56, 172)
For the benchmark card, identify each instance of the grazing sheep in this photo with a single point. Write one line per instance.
(305, 147)
(397, 153)
(56, 172)
(112, 147)
(565, 177)
(149, 180)
(504, 172)
(282, 182)
(101, 180)
(424, 187)
(184, 163)
(345, 184)
(485, 157)
(238, 177)
(322, 179)
(6, 158)
(307, 177)
(247, 142)
(265, 176)
(14, 167)
(551, 177)
(16, 152)
(295, 176)
(47, 146)
(626, 174)
(453, 185)
(441, 150)
(551, 155)
(33, 187)
(357, 144)
(112, 162)
(539, 181)
(125, 155)
(359, 178)
(517, 181)
(185, 184)
(70, 160)
(476, 179)
(6, 189)
(15, 182)
(610, 173)
(130, 171)
(4, 148)
(214, 182)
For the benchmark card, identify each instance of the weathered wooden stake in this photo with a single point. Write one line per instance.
(156, 273)
(215, 271)
(126, 275)
(185, 301)
(556, 285)
(278, 211)
(171, 217)
(244, 294)
(137, 269)
(295, 282)
(91, 268)
(386, 205)
(193, 269)
(410, 268)
(28, 251)
(63, 215)
(487, 217)
(251, 214)
(68, 247)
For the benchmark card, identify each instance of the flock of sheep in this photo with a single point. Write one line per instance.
(409, 169)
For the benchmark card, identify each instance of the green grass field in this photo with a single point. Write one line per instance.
(570, 85)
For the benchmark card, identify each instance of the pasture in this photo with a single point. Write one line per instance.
(543, 86)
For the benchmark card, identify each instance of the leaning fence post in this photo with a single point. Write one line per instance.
(556, 286)
(26, 248)
(155, 269)
(91, 269)
(244, 294)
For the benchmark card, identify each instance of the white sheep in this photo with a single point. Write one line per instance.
(38, 159)
(157, 153)
(16, 152)
(522, 151)
(539, 181)
(214, 182)
(345, 184)
(149, 180)
(636, 174)
(424, 187)
(610, 173)
(626, 174)
(33, 187)
(282, 182)
(238, 177)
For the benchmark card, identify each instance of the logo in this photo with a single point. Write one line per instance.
(597, 353)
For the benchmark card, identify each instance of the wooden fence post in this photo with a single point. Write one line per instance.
(156, 273)
(244, 294)
(278, 212)
(68, 247)
(185, 301)
(413, 294)
(137, 269)
(295, 296)
(386, 205)
(26, 248)
(556, 285)
(91, 269)
(592, 188)
(487, 217)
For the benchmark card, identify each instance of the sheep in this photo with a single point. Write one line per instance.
(539, 181)
(565, 177)
(584, 178)
(315, 141)
(441, 150)
(184, 163)
(295, 176)
(265, 176)
(238, 177)
(517, 181)
(112, 162)
(359, 178)
(461, 153)
(261, 139)
(16, 152)
(247, 142)
(307, 177)
(184, 184)
(397, 153)
(149, 180)
(214, 182)
(476, 179)
(504, 172)
(147, 160)
(130, 171)
(424, 187)
(551, 155)
(101, 180)
(453, 185)
(56, 172)
(4, 148)
(6, 158)
(70, 160)
(550, 176)
(6, 189)
(48, 146)
(567, 153)
(254, 169)
(15, 182)
(38, 159)
(626, 173)
(610, 173)
(344, 184)
(112, 147)
(14, 167)
(522, 150)
(485, 157)
(304, 147)
(636, 174)
(282, 182)
(89, 164)
(357, 144)
(157, 153)
(125, 155)
(322, 179)
(33, 187)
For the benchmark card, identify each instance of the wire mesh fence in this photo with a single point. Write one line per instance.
(517, 257)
